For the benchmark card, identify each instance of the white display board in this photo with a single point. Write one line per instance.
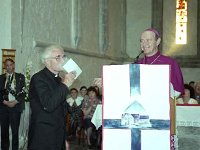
(136, 107)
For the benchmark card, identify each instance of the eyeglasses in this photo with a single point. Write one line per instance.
(58, 58)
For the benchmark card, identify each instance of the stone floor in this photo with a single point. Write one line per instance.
(188, 139)
(75, 146)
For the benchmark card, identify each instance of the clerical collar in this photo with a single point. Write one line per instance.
(151, 59)
(52, 74)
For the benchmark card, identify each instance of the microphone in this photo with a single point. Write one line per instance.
(136, 58)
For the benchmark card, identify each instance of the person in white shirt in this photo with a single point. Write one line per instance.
(75, 112)
(188, 97)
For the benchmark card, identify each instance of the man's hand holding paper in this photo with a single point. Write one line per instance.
(71, 66)
(69, 78)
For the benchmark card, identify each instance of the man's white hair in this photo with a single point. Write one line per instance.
(46, 53)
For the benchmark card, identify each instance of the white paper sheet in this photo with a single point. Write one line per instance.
(70, 66)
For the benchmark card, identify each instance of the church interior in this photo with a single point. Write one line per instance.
(95, 33)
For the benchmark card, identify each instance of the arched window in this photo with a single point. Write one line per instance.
(181, 21)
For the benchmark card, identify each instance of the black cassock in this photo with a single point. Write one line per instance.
(47, 102)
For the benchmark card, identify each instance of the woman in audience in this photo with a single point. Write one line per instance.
(99, 95)
(89, 107)
(188, 97)
(83, 92)
(75, 112)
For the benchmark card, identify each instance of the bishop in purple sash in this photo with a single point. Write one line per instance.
(149, 42)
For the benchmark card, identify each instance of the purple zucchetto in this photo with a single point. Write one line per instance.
(154, 31)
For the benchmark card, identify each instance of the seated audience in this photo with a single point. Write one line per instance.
(89, 107)
(75, 112)
(188, 96)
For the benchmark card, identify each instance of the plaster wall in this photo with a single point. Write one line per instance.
(191, 74)
(53, 22)
(138, 18)
(5, 26)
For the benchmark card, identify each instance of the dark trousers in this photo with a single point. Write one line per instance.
(9, 116)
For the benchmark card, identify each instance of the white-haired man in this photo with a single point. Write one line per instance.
(47, 96)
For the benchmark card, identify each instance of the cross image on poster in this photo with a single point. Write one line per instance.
(136, 108)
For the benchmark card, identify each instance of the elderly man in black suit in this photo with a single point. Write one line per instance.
(47, 94)
(11, 104)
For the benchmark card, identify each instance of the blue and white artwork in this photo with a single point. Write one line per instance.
(136, 107)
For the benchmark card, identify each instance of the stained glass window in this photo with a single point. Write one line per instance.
(181, 21)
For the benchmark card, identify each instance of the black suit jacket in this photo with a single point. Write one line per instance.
(47, 97)
(20, 82)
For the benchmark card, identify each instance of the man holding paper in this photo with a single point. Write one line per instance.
(47, 96)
